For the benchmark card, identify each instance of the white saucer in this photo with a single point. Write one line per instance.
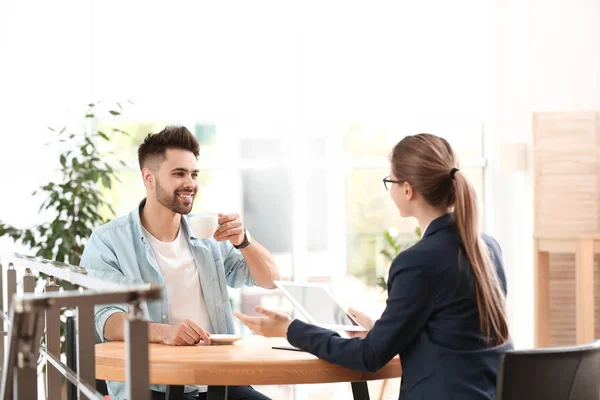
(224, 338)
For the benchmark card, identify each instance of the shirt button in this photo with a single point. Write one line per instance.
(164, 317)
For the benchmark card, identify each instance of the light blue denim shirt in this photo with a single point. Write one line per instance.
(118, 252)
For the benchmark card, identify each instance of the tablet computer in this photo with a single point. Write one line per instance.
(319, 307)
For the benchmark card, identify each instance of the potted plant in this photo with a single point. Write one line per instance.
(75, 201)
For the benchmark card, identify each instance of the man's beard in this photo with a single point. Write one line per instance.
(174, 202)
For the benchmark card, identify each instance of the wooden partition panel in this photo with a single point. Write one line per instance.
(566, 150)
(566, 154)
(562, 300)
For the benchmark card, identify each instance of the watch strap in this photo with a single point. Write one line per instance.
(245, 243)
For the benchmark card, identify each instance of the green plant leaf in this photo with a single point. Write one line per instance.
(387, 255)
(113, 112)
(391, 241)
(106, 181)
(392, 249)
(120, 131)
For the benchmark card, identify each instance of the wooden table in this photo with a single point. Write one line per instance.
(584, 247)
(250, 361)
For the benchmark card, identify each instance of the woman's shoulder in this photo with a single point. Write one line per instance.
(496, 258)
(492, 243)
(437, 251)
(419, 254)
(432, 248)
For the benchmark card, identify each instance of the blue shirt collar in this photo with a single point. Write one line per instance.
(192, 239)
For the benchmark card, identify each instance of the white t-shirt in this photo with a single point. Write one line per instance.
(182, 281)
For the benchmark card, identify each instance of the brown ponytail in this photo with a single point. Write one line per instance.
(489, 296)
(425, 161)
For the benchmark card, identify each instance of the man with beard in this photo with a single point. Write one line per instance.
(154, 244)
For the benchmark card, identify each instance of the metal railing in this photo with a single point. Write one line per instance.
(35, 315)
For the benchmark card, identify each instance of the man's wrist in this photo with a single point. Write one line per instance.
(245, 242)
(157, 332)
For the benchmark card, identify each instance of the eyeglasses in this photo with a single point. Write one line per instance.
(387, 182)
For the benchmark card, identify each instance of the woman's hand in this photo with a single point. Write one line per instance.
(273, 324)
(362, 319)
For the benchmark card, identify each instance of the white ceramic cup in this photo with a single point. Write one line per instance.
(204, 225)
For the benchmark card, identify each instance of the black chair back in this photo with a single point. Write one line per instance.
(557, 373)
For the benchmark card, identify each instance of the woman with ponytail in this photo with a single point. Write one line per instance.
(445, 314)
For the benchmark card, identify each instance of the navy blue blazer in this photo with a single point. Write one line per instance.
(431, 321)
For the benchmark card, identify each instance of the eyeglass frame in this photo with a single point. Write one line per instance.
(387, 180)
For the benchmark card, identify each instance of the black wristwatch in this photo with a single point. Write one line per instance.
(246, 242)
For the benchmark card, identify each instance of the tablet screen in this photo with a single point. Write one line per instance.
(319, 304)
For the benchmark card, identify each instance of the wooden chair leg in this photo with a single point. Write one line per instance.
(383, 386)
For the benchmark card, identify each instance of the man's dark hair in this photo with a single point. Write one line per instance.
(172, 137)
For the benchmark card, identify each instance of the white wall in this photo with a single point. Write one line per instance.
(566, 55)
(547, 59)
(239, 61)
(44, 79)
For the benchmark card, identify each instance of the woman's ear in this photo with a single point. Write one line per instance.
(408, 191)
